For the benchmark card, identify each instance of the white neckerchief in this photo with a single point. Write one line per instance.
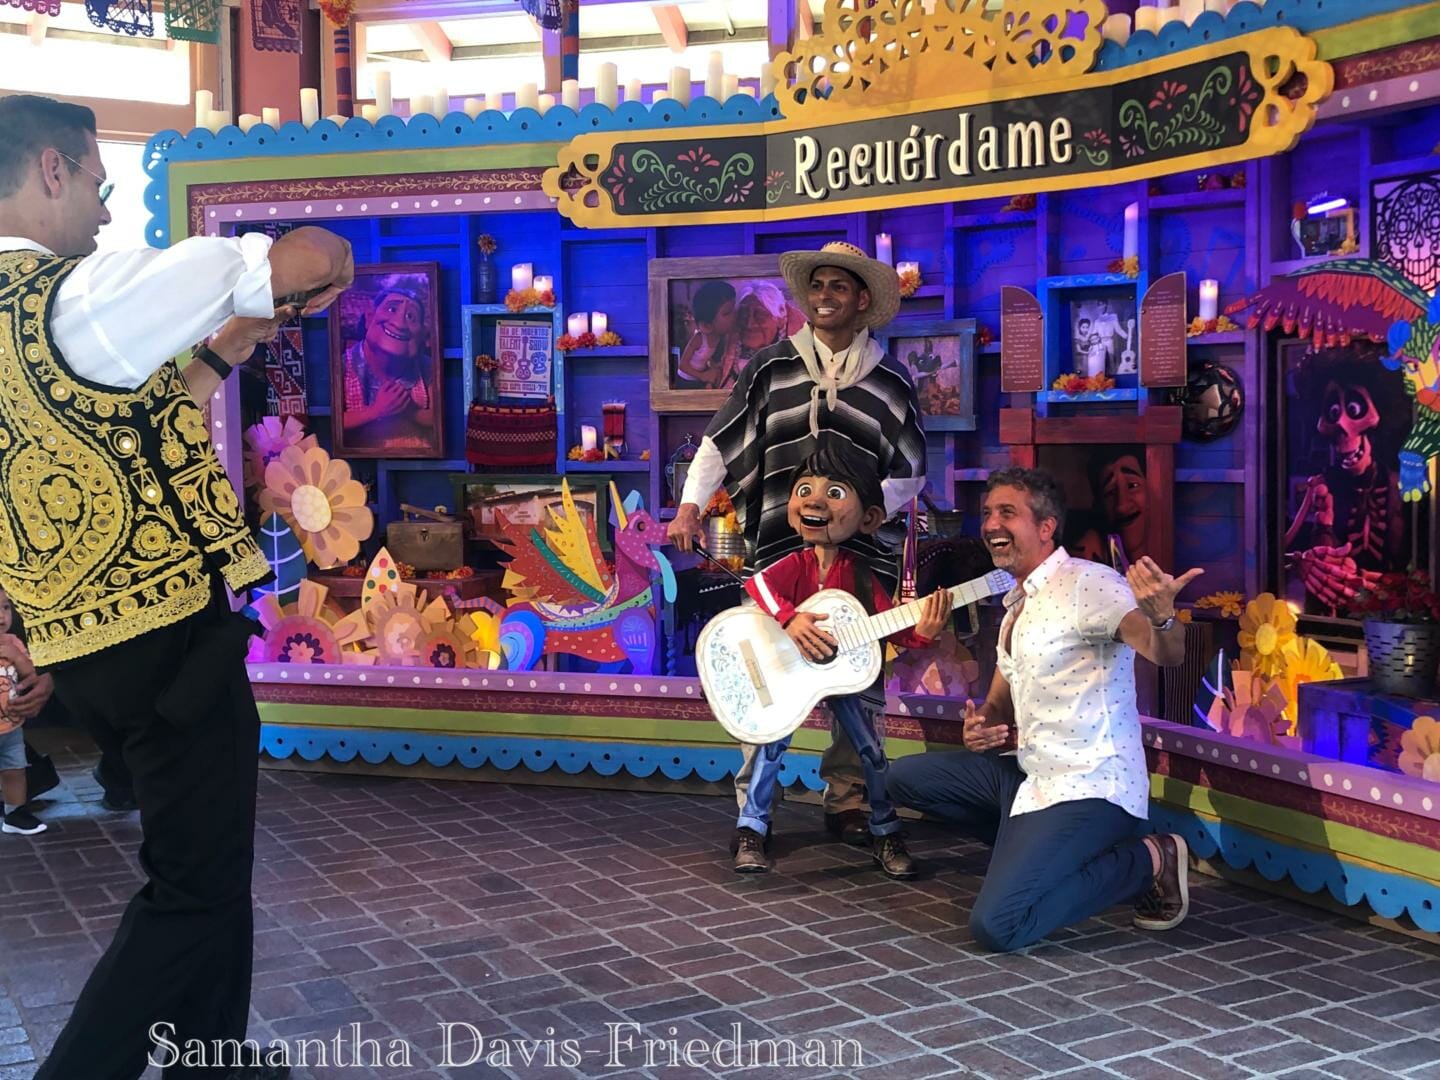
(834, 371)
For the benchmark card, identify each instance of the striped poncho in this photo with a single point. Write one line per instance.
(763, 433)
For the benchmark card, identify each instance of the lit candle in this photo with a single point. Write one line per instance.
(1132, 231)
(570, 94)
(270, 117)
(528, 96)
(204, 106)
(473, 107)
(767, 81)
(907, 267)
(309, 105)
(883, 250)
(607, 85)
(1147, 18)
(731, 87)
(1209, 300)
(715, 76)
(547, 102)
(522, 276)
(371, 113)
(247, 121)
(599, 322)
(587, 436)
(544, 283)
(383, 101)
(1116, 28)
(579, 323)
(680, 84)
(634, 90)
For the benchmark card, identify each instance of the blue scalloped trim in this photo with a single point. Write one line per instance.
(1243, 18)
(559, 124)
(1389, 895)
(538, 755)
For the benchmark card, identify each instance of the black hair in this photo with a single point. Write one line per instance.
(29, 125)
(1046, 498)
(710, 298)
(1103, 458)
(838, 461)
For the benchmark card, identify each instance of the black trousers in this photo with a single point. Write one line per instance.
(182, 953)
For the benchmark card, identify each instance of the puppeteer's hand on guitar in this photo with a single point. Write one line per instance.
(934, 614)
(813, 643)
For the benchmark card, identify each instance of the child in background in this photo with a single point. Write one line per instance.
(709, 358)
(22, 695)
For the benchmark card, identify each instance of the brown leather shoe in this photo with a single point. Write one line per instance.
(893, 859)
(1167, 902)
(749, 849)
(851, 826)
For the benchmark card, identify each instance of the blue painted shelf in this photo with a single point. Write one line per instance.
(611, 466)
(613, 352)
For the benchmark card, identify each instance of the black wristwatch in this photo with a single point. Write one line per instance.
(213, 360)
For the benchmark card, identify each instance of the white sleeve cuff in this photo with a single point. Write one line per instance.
(254, 296)
(705, 475)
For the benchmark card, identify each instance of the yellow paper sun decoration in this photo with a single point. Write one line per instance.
(1420, 749)
(1267, 626)
(1303, 660)
(320, 502)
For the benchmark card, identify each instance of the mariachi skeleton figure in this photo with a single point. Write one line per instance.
(1349, 527)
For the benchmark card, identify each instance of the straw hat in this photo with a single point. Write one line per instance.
(881, 280)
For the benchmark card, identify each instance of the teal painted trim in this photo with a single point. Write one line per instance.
(1352, 884)
(538, 755)
(1244, 18)
(392, 133)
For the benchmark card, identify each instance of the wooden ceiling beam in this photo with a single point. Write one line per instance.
(433, 41)
(672, 26)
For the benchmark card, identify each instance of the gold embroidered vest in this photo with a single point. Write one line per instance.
(114, 509)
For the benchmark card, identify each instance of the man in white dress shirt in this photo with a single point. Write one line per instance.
(1065, 809)
(121, 532)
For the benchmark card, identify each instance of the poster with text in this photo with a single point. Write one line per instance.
(523, 350)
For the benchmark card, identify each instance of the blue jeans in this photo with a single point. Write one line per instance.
(1049, 868)
(858, 727)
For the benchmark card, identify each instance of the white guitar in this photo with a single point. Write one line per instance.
(759, 686)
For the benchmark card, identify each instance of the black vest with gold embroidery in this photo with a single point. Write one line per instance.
(114, 509)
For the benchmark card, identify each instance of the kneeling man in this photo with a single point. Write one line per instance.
(1064, 806)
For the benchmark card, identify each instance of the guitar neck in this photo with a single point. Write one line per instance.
(904, 616)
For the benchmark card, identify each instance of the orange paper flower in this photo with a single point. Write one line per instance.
(317, 498)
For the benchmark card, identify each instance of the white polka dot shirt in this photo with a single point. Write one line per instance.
(1073, 687)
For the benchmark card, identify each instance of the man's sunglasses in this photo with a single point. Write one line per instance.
(106, 186)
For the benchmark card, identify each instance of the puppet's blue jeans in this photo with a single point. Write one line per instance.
(859, 728)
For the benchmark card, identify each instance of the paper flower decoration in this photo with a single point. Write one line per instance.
(909, 281)
(521, 299)
(1229, 604)
(309, 631)
(1267, 626)
(485, 636)
(1081, 384)
(267, 440)
(320, 502)
(1129, 267)
(1420, 749)
(609, 339)
(1303, 660)
(486, 243)
(382, 577)
(403, 634)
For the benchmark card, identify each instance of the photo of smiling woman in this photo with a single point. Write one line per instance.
(385, 364)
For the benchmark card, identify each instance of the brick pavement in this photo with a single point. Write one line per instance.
(399, 904)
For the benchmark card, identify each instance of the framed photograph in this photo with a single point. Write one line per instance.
(1342, 419)
(1104, 332)
(526, 498)
(385, 364)
(708, 317)
(940, 355)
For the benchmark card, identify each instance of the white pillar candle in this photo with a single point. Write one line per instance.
(746, 91)
(522, 276)
(371, 113)
(599, 322)
(309, 105)
(715, 76)
(587, 437)
(570, 94)
(220, 118)
(440, 102)
(1132, 231)
(544, 283)
(204, 106)
(767, 81)
(1170, 15)
(473, 107)
(1147, 18)
(1116, 28)
(247, 121)
(1217, 6)
(680, 84)
(528, 96)
(270, 117)
(1209, 300)
(383, 101)
(661, 95)
(419, 105)
(731, 87)
(634, 90)
(578, 323)
(607, 85)
(884, 251)
(1190, 10)
(495, 100)
(547, 102)
(337, 119)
